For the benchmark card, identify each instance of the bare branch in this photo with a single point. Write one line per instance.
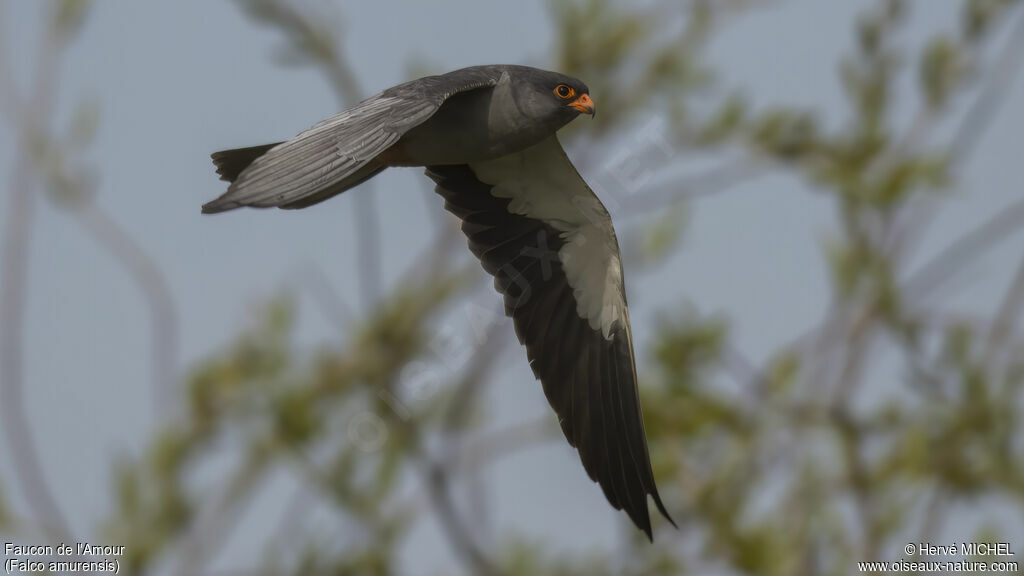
(713, 181)
(467, 390)
(13, 291)
(331, 303)
(438, 488)
(367, 230)
(993, 94)
(221, 517)
(964, 250)
(151, 282)
(481, 451)
(1006, 316)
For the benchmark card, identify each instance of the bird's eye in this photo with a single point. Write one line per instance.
(563, 91)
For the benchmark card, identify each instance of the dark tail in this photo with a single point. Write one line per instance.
(230, 163)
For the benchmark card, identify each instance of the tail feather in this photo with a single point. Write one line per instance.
(230, 163)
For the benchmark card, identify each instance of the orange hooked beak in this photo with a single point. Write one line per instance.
(584, 104)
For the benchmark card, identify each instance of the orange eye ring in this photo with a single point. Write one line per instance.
(564, 91)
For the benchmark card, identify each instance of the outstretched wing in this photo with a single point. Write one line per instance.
(336, 153)
(549, 242)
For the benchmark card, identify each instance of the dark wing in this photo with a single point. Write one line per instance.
(336, 153)
(549, 242)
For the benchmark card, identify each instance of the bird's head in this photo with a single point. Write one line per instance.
(551, 96)
(575, 96)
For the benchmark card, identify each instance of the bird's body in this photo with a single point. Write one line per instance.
(477, 129)
(487, 137)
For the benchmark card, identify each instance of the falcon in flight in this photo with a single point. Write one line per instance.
(486, 135)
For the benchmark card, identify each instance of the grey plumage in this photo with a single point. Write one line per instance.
(230, 163)
(329, 158)
(486, 136)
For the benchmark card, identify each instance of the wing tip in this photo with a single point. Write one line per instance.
(643, 519)
(662, 510)
(648, 532)
(218, 205)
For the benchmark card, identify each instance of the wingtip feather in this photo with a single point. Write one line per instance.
(217, 206)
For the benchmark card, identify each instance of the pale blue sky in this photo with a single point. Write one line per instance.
(178, 80)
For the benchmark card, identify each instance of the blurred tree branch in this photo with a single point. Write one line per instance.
(49, 165)
(29, 123)
(998, 81)
(150, 279)
(964, 250)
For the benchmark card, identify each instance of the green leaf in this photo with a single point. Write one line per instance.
(726, 120)
(69, 17)
(662, 235)
(688, 346)
(941, 69)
